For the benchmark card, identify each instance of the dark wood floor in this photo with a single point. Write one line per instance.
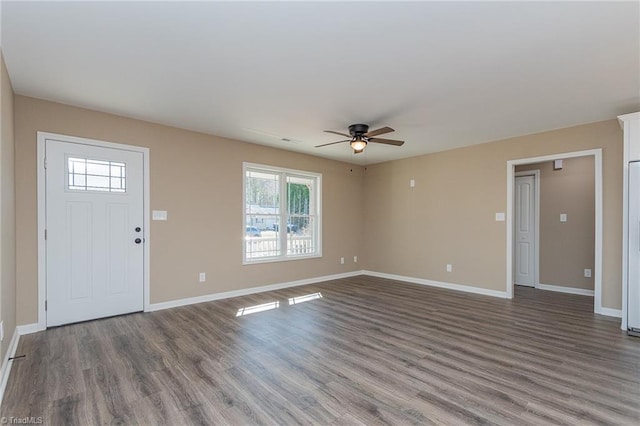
(370, 351)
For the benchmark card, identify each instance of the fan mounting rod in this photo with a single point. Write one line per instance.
(358, 129)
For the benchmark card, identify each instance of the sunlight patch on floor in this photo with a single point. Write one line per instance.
(305, 298)
(257, 308)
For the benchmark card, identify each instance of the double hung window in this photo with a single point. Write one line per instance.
(282, 217)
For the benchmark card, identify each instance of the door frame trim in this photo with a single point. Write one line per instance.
(536, 234)
(41, 210)
(597, 272)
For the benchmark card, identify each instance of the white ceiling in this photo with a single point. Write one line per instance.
(444, 75)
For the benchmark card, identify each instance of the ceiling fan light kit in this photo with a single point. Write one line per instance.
(358, 144)
(360, 136)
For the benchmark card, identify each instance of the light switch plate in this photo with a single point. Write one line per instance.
(563, 217)
(412, 183)
(159, 215)
(587, 273)
(500, 217)
(202, 277)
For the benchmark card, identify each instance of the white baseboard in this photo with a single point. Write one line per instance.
(617, 313)
(30, 328)
(235, 293)
(11, 352)
(564, 289)
(449, 286)
(6, 364)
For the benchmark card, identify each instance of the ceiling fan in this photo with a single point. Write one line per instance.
(359, 136)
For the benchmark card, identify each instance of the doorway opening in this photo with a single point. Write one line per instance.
(524, 183)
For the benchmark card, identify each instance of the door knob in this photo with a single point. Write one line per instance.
(138, 240)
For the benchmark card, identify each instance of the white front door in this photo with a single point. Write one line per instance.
(525, 231)
(94, 236)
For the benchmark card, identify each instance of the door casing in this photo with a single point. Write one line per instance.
(597, 270)
(41, 183)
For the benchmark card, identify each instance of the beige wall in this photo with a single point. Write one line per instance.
(566, 248)
(449, 217)
(198, 179)
(7, 212)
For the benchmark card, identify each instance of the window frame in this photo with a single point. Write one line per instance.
(94, 189)
(284, 215)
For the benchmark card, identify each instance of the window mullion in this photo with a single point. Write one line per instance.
(283, 214)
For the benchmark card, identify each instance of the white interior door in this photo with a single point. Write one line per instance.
(94, 235)
(525, 231)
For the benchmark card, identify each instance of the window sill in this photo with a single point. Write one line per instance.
(279, 259)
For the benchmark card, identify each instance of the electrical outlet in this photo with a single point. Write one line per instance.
(587, 273)
(203, 277)
(449, 267)
(342, 260)
(412, 183)
(563, 217)
(355, 259)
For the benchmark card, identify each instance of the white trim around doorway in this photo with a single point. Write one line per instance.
(41, 185)
(597, 272)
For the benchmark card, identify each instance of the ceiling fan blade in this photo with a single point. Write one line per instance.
(387, 141)
(337, 133)
(380, 131)
(333, 143)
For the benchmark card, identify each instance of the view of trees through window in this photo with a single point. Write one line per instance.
(298, 204)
